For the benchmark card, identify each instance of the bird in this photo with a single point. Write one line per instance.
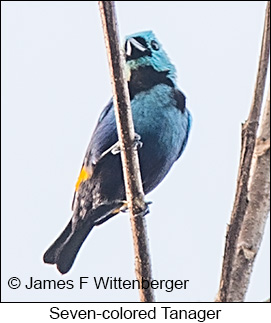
(162, 125)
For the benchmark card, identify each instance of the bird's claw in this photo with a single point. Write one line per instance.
(145, 211)
(124, 208)
(137, 144)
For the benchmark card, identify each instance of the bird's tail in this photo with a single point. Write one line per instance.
(64, 250)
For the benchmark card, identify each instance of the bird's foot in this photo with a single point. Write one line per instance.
(145, 211)
(137, 144)
(115, 149)
(124, 208)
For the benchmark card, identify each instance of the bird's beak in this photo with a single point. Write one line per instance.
(134, 44)
(134, 49)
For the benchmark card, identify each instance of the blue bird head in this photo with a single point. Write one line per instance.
(143, 49)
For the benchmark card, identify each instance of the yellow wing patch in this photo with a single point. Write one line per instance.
(83, 176)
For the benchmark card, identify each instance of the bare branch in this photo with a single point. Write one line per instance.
(129, 156)
(258, 206)
(249, 132)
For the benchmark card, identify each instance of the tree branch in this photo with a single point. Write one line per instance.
(249, 132)
(129, 156)
(256, 214)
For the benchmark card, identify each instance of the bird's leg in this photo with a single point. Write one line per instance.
(115, 149)
(137, 144)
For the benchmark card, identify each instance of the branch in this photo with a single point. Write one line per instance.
(129, 156)
(258, 206)
(249, 132)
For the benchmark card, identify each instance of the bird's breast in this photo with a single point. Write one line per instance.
(162, 127)
(157, 119)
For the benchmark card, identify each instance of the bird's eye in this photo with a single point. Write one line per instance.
(154, 45)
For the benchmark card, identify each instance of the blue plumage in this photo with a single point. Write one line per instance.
(162, 121)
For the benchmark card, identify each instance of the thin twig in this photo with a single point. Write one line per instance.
(129, 156)
(249, 132)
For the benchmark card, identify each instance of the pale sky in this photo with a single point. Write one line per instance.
(56, 82)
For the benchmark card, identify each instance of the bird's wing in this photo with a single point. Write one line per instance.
(64, 250)
(187, 127)
(181, 105)
(104, 137)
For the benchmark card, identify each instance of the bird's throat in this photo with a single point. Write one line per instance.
(145, 78)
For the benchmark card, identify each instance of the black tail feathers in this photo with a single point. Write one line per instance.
(64, 250)
(51, 255)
